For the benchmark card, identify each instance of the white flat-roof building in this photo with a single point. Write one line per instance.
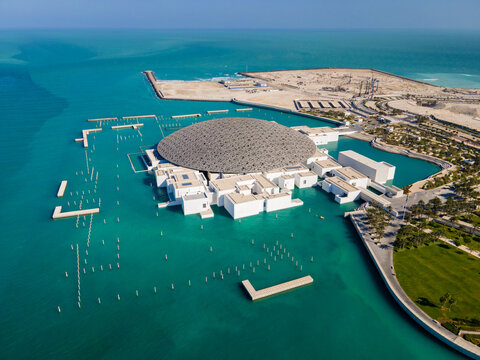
(195, 203)
(286, 182)
(343, 191)
(305, 179)
(281, 201)
(352, 176)
(319, 135)
(380, 172)
(239, 205)
(222, 187)
(263, 185)
(322, 167)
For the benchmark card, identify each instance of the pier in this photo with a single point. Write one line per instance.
(61, 189)
(153, 81)
(244, 109)
(85, 134)
(138, 117)
(186, 116)
(103, 119)
(58, 214)
(133, 126)
(276, 289)
(209, 112)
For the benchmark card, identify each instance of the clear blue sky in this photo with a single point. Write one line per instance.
(323, 14)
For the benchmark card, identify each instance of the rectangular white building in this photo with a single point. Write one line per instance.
(321, 168)
(343, 191)
(352, 176)
(319, 135)
(195, 203)
(239, 206)
(380, 172)
(305, 179)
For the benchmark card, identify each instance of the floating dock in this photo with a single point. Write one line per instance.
(138, 117)
(84, 137)
(276, 289)
(245, 109)
(61, 189)
(186, 116)
(103, 119)
(133, 126)
(216, 111)
(58, 214)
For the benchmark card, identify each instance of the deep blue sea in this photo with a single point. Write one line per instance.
(51, 82)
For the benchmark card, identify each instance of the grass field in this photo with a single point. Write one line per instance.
(428, 272)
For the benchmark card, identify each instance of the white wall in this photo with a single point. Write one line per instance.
(194, 206)
(305, 181)
(245, 209)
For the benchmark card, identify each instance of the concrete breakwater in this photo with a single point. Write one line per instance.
(153, 81)
(276, 289)
(382, 257)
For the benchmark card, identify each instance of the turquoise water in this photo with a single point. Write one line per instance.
(51, 82)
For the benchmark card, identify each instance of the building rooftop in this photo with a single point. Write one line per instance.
(238, 198)
(194, 196)
(363, 159)
(263, 181)
(236, 145)
(329, 163)
(350, 173)
(186, 184)
(231, 182)
(308, 173)
(295, 168)
(342, 184)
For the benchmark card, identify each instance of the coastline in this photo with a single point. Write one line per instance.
(387, 273)
(445, 166)
(390, 280)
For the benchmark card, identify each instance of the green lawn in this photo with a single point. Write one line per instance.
(428, 272)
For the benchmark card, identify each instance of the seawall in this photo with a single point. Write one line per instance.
(389, 278)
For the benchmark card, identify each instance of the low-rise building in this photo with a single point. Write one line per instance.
(380, 172)
(319, 135)
(305, 179)
(352, 176)
(322, 167)
(239, 205)
(286, 182)
(343, 191)
(281, 201)
(195, 203)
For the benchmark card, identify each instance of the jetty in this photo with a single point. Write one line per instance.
(58, 214)
(138, 117)
(103, 119)
(244, 109)
(186, 116)
(276, 289)
(133, 126)
(61, 189)
(153, 81)
(216, 111)
(85, 134)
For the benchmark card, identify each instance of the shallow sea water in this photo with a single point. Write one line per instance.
(52, 82)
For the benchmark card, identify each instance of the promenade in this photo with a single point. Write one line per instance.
(381, 252)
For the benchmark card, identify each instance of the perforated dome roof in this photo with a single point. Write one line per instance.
(236, 145)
